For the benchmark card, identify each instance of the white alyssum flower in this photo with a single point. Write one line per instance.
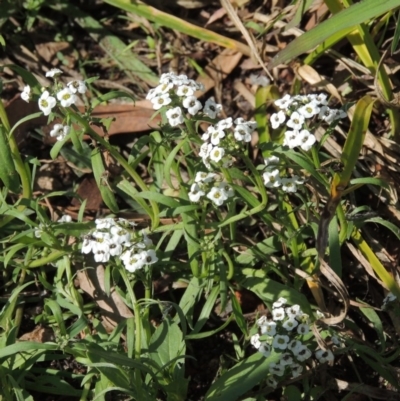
(65, 218)
(303, 328)
(195, 193)
(276, 369)
(324, 356)
(271, 382)
(306, 140)
(272, 178)
(160, 101)
(175, 116)
(216, 134)
(277, 119)
(265, 349)
(192, 105)
(290, 324)
(211, 108)
(163, 88)
(227, 189)
(302, 353)
(284, 102)
(54, 72)
(77, 86)
(296, 368)
(202, 176)
(268, 328)
(286, 359)
(225, 123)
(242, 133)
(309, 110)
(66, 97)
(255, 341)
(293, 311)
(185, 90)
(271, 161)
(60, 131)
(217, 196)
(46, 103)
(26, 94)
(280, 341)
(291, 139)
(290, 184)
(133, 261)
(216, 154)
(279, 303)
(296, 121)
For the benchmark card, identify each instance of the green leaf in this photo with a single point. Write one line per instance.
(344, 21)
(241, 378)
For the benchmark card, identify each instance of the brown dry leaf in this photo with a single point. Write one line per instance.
(49, 50)
(220, 13)
(308, 74)
(38, 335)
(128, 118)
(218, 69)
(113, 307)
(88, 190)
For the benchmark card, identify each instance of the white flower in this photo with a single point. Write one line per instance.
(46, 103)
(278, 314)
(60, 131)
(271, 382)
(77, 86)
(279, 303)
(205, 150)
(160, 101)
(327, 114)
(272, 178)
(184, 90)
(280, 341)
(303, 328)
(227, 189)
(321, 99)
(265, 349)
(87, 244)
(151, 94)
(167, 77)
(255, 341)
(132, 261)
(115, 249)
(284, 103)
(192, 105)
(294, 346)
(293, 311)
(54, 72)
(65, 218)
(66, 97)
(211, 109)
(289, 185)
(277, 119)
(306, 140)
(201, 176)
(119, 235)
(276, 369)
(268, 328)
(104, 223)
(291, 139)
(195, 193)
(302, 353)
(296, 121)
(217, 195)
(216, 135)
(26, 93)
(163, 88)
(242, 133)
(225, 124)
(286, 359)
(149, 256)
(174, 116)
(101, 256)
(324, 355)
(290, 324)
(296, 369)
(309, 110)
(216, 154)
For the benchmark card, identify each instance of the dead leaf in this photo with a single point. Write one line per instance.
(39, 335)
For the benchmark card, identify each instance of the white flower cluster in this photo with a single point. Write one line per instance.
(66, 96)
(272, 176)
(114, 238)
(294, 113)
(207, 184)
(283, 334)
(223, 139)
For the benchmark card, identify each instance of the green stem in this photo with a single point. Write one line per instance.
(124, 163)
(55, 255)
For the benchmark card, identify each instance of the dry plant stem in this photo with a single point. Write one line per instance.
(394, 103)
